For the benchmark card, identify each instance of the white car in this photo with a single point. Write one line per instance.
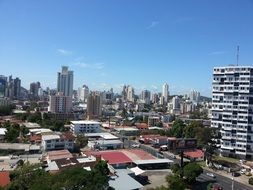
(135, 146)
(210, 175)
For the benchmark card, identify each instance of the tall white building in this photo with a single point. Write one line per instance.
(176, 103)
(165, 93)
(130, 93)
(83, 93)
(60, 103)
(194, 96)
(65, 81)
(232, 109)
(145, 96)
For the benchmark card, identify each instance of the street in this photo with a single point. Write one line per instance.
(203, 180)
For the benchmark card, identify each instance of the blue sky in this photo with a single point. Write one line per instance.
(109, 43)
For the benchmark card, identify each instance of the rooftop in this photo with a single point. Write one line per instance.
(40, 130)
(4, 178)
(194, 154)
(50, 137)
(31, 125)
(113, 157)
(106, 136)
(3, 131)
(126, 129)
(123, 181)
(85, 122)
(153, 161)
(59, 154)
(18, 146)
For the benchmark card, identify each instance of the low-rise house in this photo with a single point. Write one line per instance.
(85, 162)
(195, 155)
(56, 141)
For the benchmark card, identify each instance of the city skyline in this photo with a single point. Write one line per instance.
(109, 44)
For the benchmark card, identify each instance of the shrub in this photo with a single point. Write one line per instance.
(251, 181)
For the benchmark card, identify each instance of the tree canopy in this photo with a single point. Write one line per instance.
(177, 129)
(175, 183)
(191, 171)
(69, 179)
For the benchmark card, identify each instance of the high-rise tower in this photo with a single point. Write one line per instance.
(65, 81)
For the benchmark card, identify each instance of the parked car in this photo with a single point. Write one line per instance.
(236, 174)
(217, 187)
(210, 175)
(135, 146)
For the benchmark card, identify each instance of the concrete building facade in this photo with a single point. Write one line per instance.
(232, 109)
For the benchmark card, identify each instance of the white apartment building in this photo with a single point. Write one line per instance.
(57, 141)
(232, 109)
(85, 126)
(83, 93)
(165, 94)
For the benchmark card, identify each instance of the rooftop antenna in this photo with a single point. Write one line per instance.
(237, 55)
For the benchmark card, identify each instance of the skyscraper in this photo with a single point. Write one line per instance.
(194, 96)
(145, 96)
(3, 85)
(83, 93)
(165, 93)
(232, 109)
(17, 88)
(130, 93)
(94, 107)
(34, 89)
(65, 81)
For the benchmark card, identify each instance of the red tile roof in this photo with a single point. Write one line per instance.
(35, 138)
(4, 178)
(113, 157)
(142, 126)
(68, 136)
(194, 154)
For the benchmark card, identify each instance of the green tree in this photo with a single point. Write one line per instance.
(35, 117)
(177, 129)
(175, 183)
(192, 128)
(12, 133)
(33, 177)
(191, 171)
(176, 169)
(5, 110)
(21, 177)
(204, 136)
(124, 113)
(81, 141)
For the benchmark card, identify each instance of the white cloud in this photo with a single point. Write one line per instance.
(217, 53)
(90, 65)
(152, 25)
(64, 52)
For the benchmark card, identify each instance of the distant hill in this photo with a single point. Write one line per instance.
(205, 99)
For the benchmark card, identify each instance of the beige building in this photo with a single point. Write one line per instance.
(94, 106)
(60, 103)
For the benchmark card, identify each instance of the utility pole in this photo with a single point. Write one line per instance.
(232, 188)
